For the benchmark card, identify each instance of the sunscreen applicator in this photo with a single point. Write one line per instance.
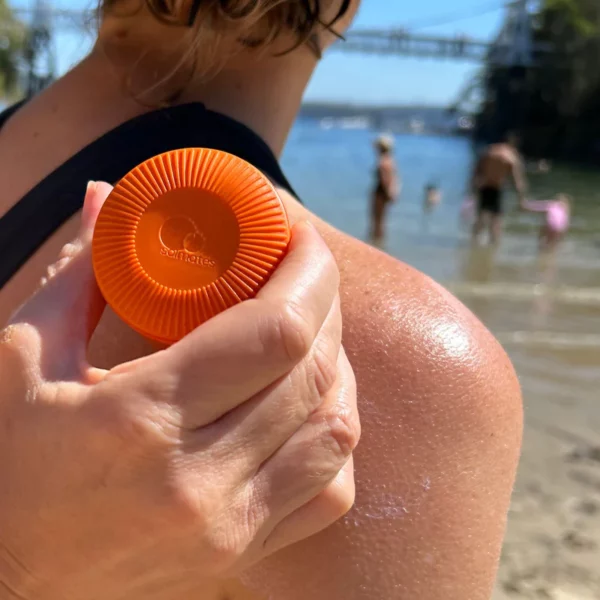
(184, 236)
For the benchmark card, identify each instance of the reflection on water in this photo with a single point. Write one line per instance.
(537, 305)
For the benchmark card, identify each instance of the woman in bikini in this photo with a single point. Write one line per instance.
(386, 186)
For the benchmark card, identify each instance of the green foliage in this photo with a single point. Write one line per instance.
(13, 34)
(556, 103)
(576, 15)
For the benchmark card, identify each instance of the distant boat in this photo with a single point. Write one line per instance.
(345, 123)
(417, 126)
(327, 123)
(355, 123)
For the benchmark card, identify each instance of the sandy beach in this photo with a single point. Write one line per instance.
(552, 548)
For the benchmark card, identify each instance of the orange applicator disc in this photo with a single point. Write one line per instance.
(184, 236)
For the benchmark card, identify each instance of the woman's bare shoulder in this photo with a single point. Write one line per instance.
(395, 313)
(441, 415)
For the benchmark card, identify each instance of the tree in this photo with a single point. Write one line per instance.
(558, 103)
(13, 35)
(564, 84)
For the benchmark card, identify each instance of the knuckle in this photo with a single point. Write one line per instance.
(186, 505)
(293, 332)
(201, 508)
(343, 432)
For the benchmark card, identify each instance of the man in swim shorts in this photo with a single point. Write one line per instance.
(496, 164)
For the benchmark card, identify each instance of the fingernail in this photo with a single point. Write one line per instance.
(86, 212)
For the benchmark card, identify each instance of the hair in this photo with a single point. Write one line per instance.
(258, 22)
(254, 24)
(384, 144)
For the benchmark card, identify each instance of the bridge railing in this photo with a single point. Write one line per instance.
(402, 42)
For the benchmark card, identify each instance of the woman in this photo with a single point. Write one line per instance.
(441, 407)
(386, 186)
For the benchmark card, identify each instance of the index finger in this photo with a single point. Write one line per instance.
(241, 351)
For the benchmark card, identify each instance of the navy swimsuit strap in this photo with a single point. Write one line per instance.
(30, 222)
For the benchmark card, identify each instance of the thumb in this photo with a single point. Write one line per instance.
(66, 309)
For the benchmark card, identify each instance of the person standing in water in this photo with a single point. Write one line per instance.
(496, 164)
(387, 186)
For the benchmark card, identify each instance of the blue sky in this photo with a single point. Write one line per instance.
(369, 79)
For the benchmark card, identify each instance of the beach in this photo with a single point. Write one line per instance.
(544, 310)
(552, 546)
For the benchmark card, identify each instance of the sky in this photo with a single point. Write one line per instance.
(361, 79)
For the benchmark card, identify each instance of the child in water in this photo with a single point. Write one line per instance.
(557, 218)
(433, 197)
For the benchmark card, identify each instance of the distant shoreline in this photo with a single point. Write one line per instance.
(333, 109)
(416, 118)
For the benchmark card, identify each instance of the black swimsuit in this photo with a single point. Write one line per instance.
(53, 201)
(490, 200)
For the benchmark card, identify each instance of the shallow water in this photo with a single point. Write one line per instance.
(545, 310)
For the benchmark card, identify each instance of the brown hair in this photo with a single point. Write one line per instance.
(252, 23)
(257, 23)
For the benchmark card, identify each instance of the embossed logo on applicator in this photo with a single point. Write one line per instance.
(182, 240)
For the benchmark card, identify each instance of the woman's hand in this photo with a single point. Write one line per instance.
(191, 463)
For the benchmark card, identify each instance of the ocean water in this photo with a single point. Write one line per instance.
(545, 310)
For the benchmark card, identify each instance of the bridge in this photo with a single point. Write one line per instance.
(512, 47)
(403, 43)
